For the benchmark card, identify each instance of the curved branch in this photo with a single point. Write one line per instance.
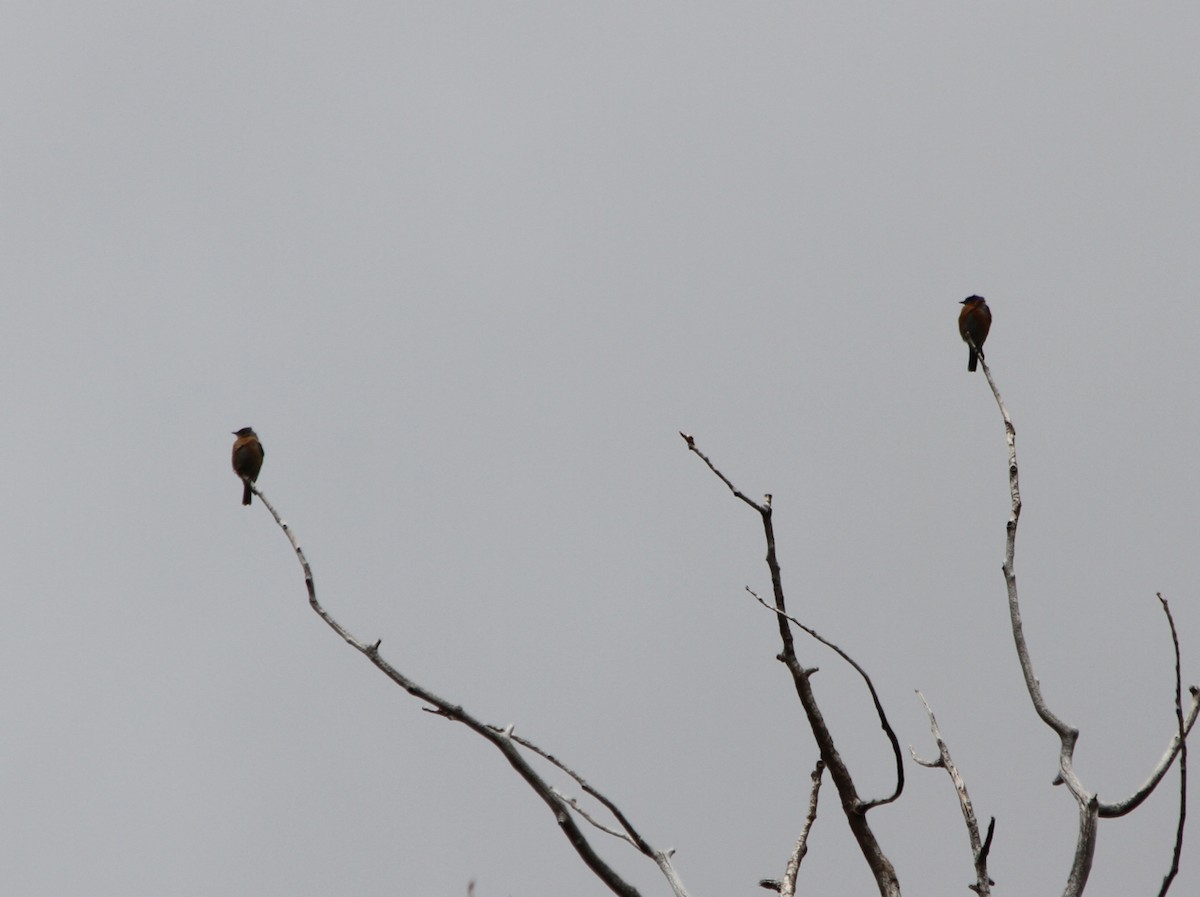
(499, 738)
(1177, 746)
(1174, 870)
(1068, 735)
(1090, 808)
(883, 720)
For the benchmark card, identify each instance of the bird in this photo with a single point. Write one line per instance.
(974, 321)
(247, 459)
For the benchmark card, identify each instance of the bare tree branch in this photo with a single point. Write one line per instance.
(986, 850)
(499, 738)
(1085, 849)
(788, 886)
(1090, 808)
(662, 858)
(853, 806)
(584, 814)
(979, 851)
(1068, 735)
(630, 834)
(1177, 744)
(883, 720)
(1182, 734)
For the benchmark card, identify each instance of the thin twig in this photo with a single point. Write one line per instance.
(691, 444)
(987, 840)
(588, 817)
(1174, 870)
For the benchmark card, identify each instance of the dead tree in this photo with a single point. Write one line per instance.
(606, 817)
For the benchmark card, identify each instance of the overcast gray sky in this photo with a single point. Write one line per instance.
(468, 269)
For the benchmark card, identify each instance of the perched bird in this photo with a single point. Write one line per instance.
(974, 321)
(247, 459)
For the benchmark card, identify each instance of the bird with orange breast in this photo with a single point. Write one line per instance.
(247, 459)
(974, 322)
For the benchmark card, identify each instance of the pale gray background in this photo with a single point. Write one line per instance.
(468, 268)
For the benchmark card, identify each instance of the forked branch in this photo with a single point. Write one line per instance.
(1090, 808)
(979, 849)
(502, 739)
(853, 806)
(879, 711)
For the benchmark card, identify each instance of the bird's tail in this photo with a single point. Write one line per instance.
(246, 483)
(972, 362)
